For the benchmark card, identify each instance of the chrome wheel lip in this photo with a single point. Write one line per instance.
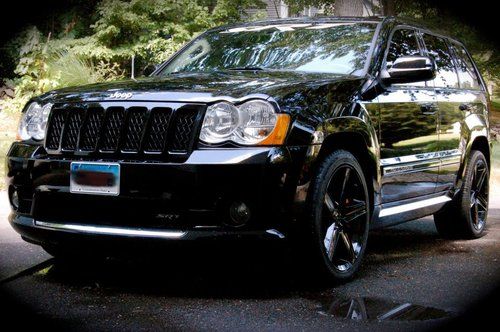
(478, 200)
(341, 231)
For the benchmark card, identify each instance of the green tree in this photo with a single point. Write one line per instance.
(97, 40)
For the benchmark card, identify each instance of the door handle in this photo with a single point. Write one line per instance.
(428, 109)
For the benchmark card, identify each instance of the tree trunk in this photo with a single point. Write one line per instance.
(349, 7)
(388, 7)
(275, 3)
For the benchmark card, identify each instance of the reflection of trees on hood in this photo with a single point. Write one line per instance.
(285, 49)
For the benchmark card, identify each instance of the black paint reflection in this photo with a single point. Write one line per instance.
(325, 47)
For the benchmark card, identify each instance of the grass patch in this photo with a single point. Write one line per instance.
(495, 104)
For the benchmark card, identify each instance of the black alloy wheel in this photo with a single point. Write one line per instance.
(479, 195)
(465, 217)
(341, 214)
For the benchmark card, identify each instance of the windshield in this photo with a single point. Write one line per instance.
(335, 47)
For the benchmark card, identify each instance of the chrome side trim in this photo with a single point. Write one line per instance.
(420, 157)
(425, 165)
(224, 156)
(276, 233)
(413, 206)
(102, 230)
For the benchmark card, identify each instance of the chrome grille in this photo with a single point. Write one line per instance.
(120, 129)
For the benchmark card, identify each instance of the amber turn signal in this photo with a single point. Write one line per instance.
(279, 132)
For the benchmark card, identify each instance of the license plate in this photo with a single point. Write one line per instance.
(95, 178)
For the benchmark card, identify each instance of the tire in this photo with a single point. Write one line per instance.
(338, 216)
(465, 217)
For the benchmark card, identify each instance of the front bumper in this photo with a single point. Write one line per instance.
(158, 201)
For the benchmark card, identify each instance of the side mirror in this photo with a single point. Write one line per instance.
(410, 69)
(148, 70)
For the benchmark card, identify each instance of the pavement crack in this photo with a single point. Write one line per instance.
(29, 271)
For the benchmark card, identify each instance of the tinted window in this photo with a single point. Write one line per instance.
(446, 75)
(466, 72)
(403, 43)
(336, 47)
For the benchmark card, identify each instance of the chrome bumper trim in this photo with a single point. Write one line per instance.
(103, 230)
(225, 156)
(413, 206)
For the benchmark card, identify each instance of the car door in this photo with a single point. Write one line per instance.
(457, 94)
(408, 129)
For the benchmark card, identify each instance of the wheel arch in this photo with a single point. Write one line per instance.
(359, 138)
(478, 142)
(481, 143)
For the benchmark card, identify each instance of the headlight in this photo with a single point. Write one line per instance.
(252, 123)
(34, 121)
(221, 120)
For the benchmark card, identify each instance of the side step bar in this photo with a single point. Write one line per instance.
(413, 206)
(398, 213)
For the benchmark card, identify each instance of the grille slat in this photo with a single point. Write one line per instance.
(157, 134)
(112, 129)
(72, 129)
(135, 128)
(116, 129)
(54, 131)
(89, 136)
(183, 130)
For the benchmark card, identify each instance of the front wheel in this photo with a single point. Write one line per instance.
(340, 214)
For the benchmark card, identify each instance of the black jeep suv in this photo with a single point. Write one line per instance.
(311, 129)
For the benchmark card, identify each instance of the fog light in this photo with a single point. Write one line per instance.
(239, 213)
(14, 199)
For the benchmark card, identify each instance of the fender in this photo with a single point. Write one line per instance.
(476, 127)
(341, 132)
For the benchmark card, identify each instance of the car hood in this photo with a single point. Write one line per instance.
(202, 87)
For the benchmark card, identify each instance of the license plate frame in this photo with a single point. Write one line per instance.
(95, 178)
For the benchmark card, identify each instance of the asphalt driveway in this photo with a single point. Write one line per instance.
(411, 279)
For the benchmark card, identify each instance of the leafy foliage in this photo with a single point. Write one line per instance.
(150, 30)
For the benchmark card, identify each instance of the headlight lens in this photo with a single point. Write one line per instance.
(34, 121)
(252, 123)
(221, 120)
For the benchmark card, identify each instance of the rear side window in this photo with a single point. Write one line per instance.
(403, 43)
(466, 71)
(437, 48)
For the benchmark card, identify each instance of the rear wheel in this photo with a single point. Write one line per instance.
(466, 216)
(340, 214)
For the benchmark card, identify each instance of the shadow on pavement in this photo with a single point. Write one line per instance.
(228, 270)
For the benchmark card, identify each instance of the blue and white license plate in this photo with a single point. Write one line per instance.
(95, 178)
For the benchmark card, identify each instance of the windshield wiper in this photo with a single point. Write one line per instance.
(250, 68)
